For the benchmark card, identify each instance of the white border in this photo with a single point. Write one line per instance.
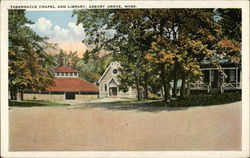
(140, 4)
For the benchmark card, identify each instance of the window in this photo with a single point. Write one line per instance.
(105, 87)
(212, 76)
(232, 76)
(62, 73)
(115, 71)
(75, 73)
(66, 74)
(71, 74)
(58, 74)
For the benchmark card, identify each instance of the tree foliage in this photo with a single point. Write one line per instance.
(29, 65)
(168, 44)
(89, 69)
(229, 46)
(94, 68)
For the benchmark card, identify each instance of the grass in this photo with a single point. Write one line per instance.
(30, 103)
(127, 100)
(202, 100)
(189, 101)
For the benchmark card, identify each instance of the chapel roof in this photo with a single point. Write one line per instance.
(64, 69)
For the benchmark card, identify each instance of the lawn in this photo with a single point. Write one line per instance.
(189, 101)
(30, 103)
(202, 100)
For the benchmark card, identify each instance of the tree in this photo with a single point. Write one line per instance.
(132, 48)
(182, 42)
(230, 22)
(127, 42)
(94, 68)
(173, 42)
(29, 65)
(229, 45)
(61, 58)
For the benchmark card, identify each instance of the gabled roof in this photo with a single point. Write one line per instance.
(72, 85)
(104, 73)
(64, 69)
(112, 81)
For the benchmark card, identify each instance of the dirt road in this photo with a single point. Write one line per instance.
(119, 127)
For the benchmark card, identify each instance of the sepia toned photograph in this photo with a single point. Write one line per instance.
(121, 78)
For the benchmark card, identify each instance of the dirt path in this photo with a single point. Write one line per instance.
(93, 127)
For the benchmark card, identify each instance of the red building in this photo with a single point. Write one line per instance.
(67, 85)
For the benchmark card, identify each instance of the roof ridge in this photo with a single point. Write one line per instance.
(65, 69)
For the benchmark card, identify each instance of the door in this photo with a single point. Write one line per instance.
(113, 91)
(215, 78)
(70, 95)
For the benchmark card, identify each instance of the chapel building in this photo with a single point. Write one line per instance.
(109, 81)
(67, 85)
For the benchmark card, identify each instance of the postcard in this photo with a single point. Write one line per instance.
(125, 79)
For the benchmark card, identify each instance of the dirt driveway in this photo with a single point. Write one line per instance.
(106, 126)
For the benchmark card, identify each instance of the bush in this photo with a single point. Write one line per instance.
(152, 96)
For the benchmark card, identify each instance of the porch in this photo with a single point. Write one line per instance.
(220, 79)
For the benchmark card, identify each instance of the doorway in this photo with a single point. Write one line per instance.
(113, 91)
(70, 95)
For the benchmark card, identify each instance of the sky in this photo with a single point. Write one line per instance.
(60, 27)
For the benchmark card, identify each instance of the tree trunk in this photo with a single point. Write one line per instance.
(18, 95)
(162, 93)
(175, 87)
(146, 86)
(138, 89)
(21, 95)
(164, 82)
(168, 89)
(14, 94)
(183, 87)
(188, 86)
(11, 93)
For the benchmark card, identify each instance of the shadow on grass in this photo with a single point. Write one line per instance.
(137, 106)
(157, 106)
(34, 103)
(145, 106)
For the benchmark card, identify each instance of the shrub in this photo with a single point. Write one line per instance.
(152, 96)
